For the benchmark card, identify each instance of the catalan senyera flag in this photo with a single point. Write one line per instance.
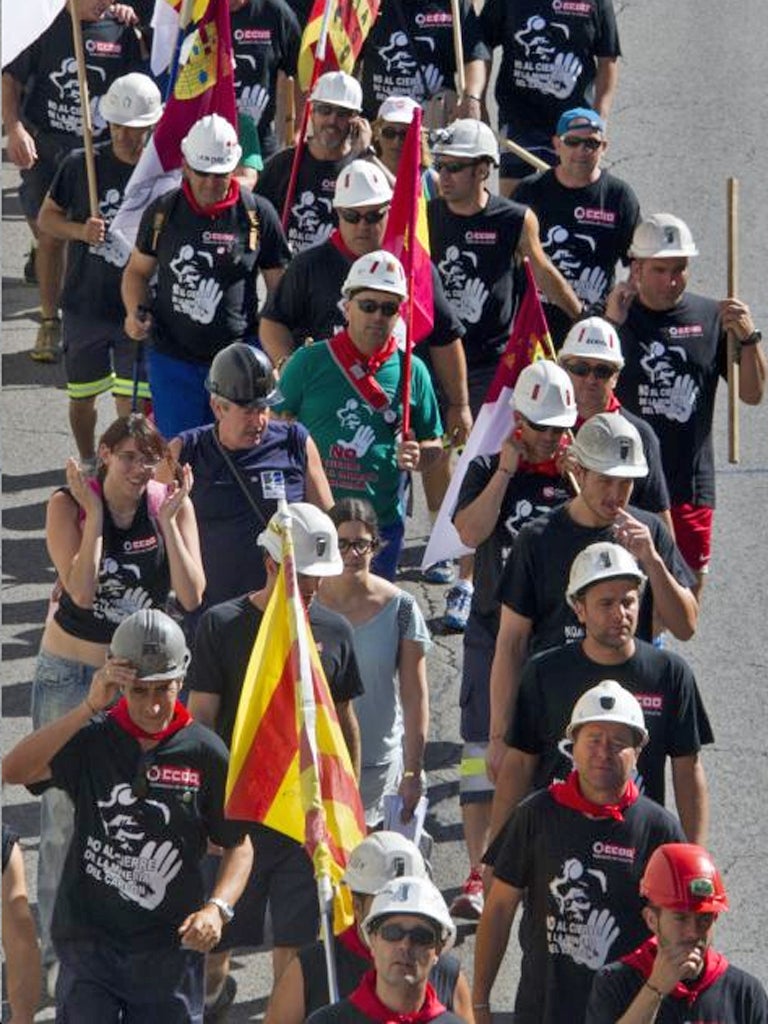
(289, 766)
(414, 257)
(529, 340)
(349, 24)
(204, 85)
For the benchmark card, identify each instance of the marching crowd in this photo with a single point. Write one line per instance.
(255, 356)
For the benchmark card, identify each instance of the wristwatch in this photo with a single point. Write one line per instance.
(751, 339)
(225, 909)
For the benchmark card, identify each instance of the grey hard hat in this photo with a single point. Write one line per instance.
(244, 375)
(153, 643)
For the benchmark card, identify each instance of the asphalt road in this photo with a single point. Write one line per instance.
(690, 112)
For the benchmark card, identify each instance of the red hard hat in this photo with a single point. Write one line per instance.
(682, 876)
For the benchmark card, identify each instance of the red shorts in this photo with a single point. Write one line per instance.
(693, 534)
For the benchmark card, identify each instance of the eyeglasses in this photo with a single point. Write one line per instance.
(372, 217)
(452, 168)
(419, 936)
(601, 372)
(573, 141)
(388, 132)
(326, 109)
(361, 546)
(542, 428)
(131, 459)
(387, 308)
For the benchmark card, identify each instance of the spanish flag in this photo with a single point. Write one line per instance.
(349, 24)
(289, 766)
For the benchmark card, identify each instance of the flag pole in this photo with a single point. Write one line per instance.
(414, 127)
(458, 48)
(82, 78)
(733, 348)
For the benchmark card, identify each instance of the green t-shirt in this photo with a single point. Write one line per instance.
(356, 444)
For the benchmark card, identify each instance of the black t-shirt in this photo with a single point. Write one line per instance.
(663, 683)
(673, 362)
(535, 576)
(265, 39)
(94, 272)
(582, 902)
(49, 71)
(308, 299)
(584, 232)
(347, 1013)
(649, 492)
(224, 642)
(415, 57)
(10, 838)
(735, 997)
(132, 873)
(475, 257)
(529, 494)
(206, 273)
(311, 218)
(548, 61)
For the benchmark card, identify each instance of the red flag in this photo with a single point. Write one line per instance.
(350, 23)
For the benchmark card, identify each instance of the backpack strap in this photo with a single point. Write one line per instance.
(164, 210)
(249, 205)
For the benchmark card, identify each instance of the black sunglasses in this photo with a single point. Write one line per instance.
(601, 372)
(388, 132)
(387, 308)
(573, 141)
(326, 109)
(419, 936)
(372, 217)
(542, 428)
(452, 168)
(361, 546)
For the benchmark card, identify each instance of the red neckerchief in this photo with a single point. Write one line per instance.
(548, 468)
(365, 999)
(613, 406)
(119, 715)
(338, 243)
(360, 371)
(715, 964)
(215, 208)
(350, 939)
(569, 794)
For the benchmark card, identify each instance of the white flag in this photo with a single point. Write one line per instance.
(23, 22)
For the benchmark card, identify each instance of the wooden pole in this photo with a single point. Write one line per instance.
(519, 151)
(82, 77)
(733, 346)
(458, 48)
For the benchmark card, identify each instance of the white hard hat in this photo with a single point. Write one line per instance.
(378, 270)
(598, 562)
(211, 145)
(315, 541)
(361, 183)
(133, 101)
(153, 643)
(544, 395)
(339, 89)
(660, 236)
(469, 138)
(412, 895)
(398, 109)
(381, 857)
(592, 338)
(608, 702)
(609, 444)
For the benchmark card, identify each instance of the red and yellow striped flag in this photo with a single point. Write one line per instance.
(349, 24)
(289, 766)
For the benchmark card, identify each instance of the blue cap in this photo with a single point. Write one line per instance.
(590, 118)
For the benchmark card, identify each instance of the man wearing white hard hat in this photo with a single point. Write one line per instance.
(348, 392)
(498, 495)
(572, 855)
(98, 356)
(608, 457)
(283, 876)
(675, 347)
(338, 134)
(591, 355)
(407, 928)
(604, 589)
(207, 242)
(380, 858)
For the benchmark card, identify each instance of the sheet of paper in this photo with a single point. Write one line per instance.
(393, 806)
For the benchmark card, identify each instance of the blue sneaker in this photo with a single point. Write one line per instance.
(458, 601)
(440, 572)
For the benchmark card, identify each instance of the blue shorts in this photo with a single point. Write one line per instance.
(179, 397)
(385, 562)
(99, 356)
(536, 141)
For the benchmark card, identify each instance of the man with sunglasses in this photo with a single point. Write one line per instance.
(586, 215)
(337, 135)
(147, 783)
(407, 928)
(207, 243)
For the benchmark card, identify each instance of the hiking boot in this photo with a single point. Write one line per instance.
(468, 905)
(440, 572)
(46, 348)
(458, 602)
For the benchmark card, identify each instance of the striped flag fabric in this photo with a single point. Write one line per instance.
(350, 22)
(529, 340)
(289, 766)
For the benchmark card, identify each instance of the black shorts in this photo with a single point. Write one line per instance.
(536, 141)
(99, 356)
(36, 181)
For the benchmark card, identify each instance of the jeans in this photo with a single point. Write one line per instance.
(60, 684)
(385, 562)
